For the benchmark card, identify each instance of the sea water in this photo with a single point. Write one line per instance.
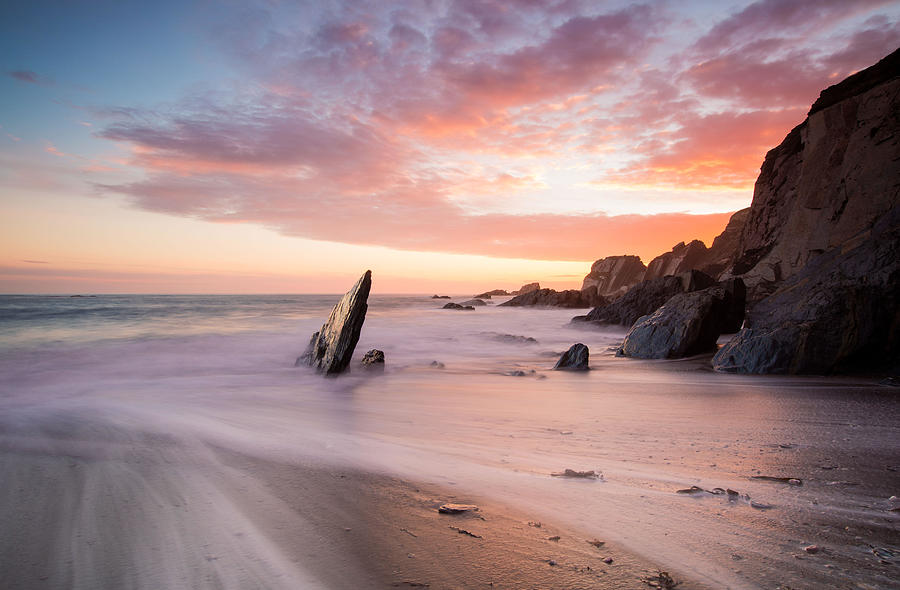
(468, 400)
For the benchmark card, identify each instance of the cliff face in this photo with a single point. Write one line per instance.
(819, 251)
(830, 179)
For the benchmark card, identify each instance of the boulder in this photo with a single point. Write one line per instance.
(373, 360)
(689, 323)
(329, 350)
(527, 289)
(830, 179)
(720, 257)
(682, 258)
(452, 305)
(473, 302)
(550, 298)
(840, 313)
(612, 276)
(574, 359)
(646, 297)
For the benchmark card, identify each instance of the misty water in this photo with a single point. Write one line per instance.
(134, 382)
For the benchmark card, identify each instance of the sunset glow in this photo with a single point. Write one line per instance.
(456, 145)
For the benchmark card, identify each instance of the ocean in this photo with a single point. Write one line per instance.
(468, 400)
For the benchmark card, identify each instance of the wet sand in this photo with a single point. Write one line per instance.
(86, 504)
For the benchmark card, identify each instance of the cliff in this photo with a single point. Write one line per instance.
(819, 251)
(830, 179)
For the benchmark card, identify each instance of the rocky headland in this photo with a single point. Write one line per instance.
(817, 253)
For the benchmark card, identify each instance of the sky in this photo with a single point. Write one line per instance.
(448, 145)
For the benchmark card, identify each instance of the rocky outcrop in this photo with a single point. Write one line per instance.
(528, 288)
(488, 294)
(721, 255)
(574, 359)
(646, 297)
(441, 297)
(331, 348)
(840, 313)
(373, 360)
(688, 324)
(612, 276)
(474, 302)
(457, 306)
(550, 298)
(829, 180)
(682, 258)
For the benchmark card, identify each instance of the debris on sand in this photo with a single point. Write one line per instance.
(582, 474)
(811, 548)
(597, 543)
(607, 560)
(555, 538)
(465, 532)
(794, 481)
(536, 525)
(692, 490)
(409, 532)
(662, 580)
(457, 508)
(760, 505)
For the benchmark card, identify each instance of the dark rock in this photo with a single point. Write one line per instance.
(527, 288)
(721, 255)
(840, 313)
(373, 360)
(437, 365)
(474, 302)
(646, 297)
(441, 297)
(612, 276)
(574, 359)
(487, 294)
(688, 324)
(831, 178)
(682, 258)
(330, 348)
(452, 305)
(577, 474)
(549, 298)
(457, 508)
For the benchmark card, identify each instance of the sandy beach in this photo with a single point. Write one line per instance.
(204, 459)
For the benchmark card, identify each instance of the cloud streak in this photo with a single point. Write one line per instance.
(383, 126)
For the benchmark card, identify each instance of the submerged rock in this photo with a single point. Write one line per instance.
(473, 302)
(441, 297)
(452, 305)
(574, 359)
(331, 348)
(688, 323)
(488, 294)
(373, 360)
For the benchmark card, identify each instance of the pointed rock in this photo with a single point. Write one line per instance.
(330, 348)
